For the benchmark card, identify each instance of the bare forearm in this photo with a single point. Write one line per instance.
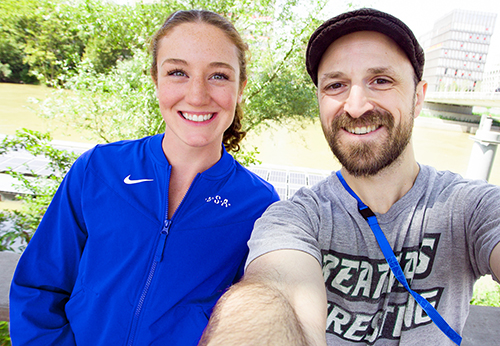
(281, 301)
(251, 313)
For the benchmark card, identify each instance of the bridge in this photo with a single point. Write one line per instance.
(458, 105)
(481, 99)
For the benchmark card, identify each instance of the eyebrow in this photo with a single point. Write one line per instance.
(331, 75)
(222, 65)
(374, 70)
(176, 61)
(382, 70)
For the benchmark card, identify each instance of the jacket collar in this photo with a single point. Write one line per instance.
(222, 167)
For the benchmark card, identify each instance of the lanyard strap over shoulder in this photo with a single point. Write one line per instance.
(370, 217)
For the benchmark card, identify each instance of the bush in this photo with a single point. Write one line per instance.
(17, 227)
(4, 334)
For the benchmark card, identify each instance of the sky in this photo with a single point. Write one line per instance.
(421, 15)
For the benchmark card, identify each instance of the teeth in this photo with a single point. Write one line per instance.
(362, 130)
(198, 117)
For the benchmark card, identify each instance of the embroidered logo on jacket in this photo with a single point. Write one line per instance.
(219, 201)
(129, 181)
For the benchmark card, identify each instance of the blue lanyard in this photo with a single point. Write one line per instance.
(396, 268)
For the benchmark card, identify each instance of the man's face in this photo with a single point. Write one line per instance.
(367, 101)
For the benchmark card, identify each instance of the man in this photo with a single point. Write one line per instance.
(443, 229)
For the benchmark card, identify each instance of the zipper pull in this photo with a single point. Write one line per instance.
(163, 238)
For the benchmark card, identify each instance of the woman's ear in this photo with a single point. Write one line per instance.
(156, 85)
(240, 96)
(155, 80)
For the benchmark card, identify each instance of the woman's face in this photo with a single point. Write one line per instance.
(198, 85)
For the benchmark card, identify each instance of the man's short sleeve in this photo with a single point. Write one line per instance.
(482, 212)
(292, 224)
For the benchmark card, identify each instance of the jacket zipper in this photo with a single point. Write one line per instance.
(158, 257)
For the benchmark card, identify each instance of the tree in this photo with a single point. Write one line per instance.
(52, 45)
(14, 19)
(120, 103)
(42, 40)
(113, 32)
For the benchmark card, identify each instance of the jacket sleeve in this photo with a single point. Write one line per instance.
(47, 270)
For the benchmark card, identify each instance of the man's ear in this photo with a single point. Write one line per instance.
(420, 92)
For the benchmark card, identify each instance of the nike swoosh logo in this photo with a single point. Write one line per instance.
(129, 181)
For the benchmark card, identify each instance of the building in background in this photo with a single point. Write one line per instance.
(456, 50)
(491, 78)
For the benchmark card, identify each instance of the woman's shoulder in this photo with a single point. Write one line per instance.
(250, 178)
(116, 152)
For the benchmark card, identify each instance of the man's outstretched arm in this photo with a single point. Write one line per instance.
(280, 301)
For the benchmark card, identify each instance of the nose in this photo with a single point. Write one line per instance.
(197, 93)
(357, 102)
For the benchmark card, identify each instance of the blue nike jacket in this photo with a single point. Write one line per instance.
(106, 265)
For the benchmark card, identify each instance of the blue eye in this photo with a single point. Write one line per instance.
(220, 76)
(176, 73)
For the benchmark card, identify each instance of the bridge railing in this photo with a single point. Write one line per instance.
(469, 95)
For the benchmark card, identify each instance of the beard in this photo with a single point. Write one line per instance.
(367, 159)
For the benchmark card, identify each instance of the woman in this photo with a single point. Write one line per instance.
(144, 236)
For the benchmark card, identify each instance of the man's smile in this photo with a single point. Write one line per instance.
(363, 130)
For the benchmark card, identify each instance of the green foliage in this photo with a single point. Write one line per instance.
(13, 35)
(39, 39)
(4, 334)
(111, 106)
(37, 190)
(51, 43)
(119, 102)
(489, 298)
(247, 157)
(45, 40)
(5, 71)
(486, 292)
(279, 88)
(113, 32)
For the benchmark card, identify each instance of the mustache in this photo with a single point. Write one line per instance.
(371, 117)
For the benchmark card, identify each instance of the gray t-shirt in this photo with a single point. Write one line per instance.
(442, 231)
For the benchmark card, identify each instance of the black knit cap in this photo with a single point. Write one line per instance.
(365, 19)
